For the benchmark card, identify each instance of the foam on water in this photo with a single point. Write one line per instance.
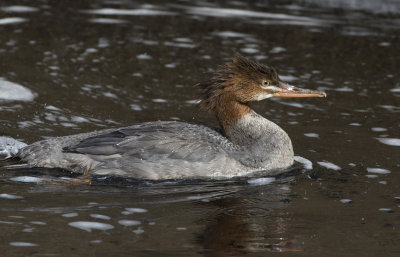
(135, 210)
(260, 181)
(9, 196)
(378, 129)
(315, 135)
(27, 179)
(389, 141)
(107, 21)
(329, 165)
(100, 216)
(345, 200)
(134, 12)
(90, 225)
(14, 92)
(307, 164)
(378, 170)
(128, 223)
(70, 215)
(19, 9)
(23, 244)
(12, 20)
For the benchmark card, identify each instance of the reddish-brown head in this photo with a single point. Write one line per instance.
(243, 81)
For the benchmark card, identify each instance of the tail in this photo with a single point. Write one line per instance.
(9, 147)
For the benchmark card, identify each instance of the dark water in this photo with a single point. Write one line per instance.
(95, 64)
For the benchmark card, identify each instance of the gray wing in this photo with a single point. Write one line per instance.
(159, 150)
(157, 141)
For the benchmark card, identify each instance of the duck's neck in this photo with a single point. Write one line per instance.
(262, 143)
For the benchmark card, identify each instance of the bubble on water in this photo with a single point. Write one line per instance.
(315, 135)
(395, 90)
(355, 124)
(136, 107)
(260, 181)
(10, 196)
(100, 216)
(378, 170)
(307, 164)
(389, 141)
(345, 200)
(110, 95)
(128, 223)
(90, 225)
(23, 244)
(329, 165)
(371, 176)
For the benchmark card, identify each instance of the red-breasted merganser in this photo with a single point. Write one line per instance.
(245, 143)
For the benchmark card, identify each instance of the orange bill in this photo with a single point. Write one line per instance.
(291, 91)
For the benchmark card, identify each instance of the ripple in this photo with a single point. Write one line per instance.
(260, 181)
(307, 164)
(128, 223)
(26, 179)
(107, 21)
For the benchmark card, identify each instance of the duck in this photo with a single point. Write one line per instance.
(245, 142)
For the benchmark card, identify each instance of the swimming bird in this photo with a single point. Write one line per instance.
(245, 142)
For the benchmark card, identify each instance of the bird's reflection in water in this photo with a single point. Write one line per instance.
(255, 222)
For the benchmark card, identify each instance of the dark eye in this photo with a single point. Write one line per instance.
(266, 83)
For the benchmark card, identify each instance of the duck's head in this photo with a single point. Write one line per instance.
(242, 80)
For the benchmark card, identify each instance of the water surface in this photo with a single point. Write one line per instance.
(89, 65)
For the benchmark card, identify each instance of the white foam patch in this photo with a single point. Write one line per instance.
(288, 78)
(107, 21)
(135, 210)
(231, 34)
(345, 200)
(138, 231)
(90, 225)
(70, 215)
(329, 165)
(395, 90)
(389, 141)
(277, 50)
(315, 135)
(100, 216)
(134, 12)
(306, 163)
(386, 209)
(159, 100)
(378, 129)
(26, 179)
(128, 223)
(23, 244)
(9, 196)
(378, 170)
(260, 181)
(12, 20)
(14, 92)
(19, 8)
(143, 57)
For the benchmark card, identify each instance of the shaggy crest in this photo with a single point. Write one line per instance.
(238, 70)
